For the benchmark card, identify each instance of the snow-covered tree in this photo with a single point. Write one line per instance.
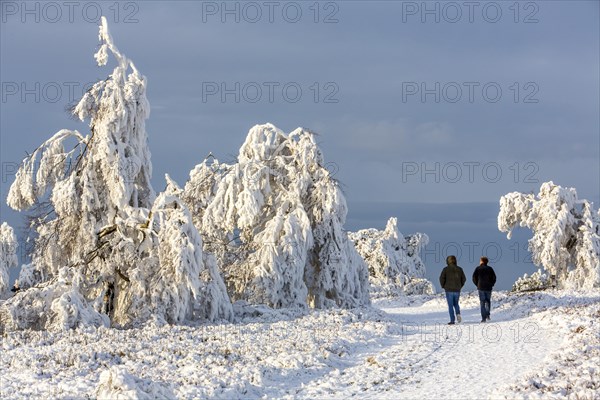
(566, 232)
(275, 221)
(128, 256)
(96, 189)
(8, 254)
(101, 179)
(105, 177)
(187, 278)
(395, 265)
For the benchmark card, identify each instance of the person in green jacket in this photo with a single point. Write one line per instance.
(452, 280)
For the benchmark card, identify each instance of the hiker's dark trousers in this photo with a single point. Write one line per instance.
(485, 298)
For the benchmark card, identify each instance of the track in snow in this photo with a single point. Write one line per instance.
(430, 359)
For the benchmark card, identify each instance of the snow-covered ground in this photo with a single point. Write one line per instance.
(541, 345)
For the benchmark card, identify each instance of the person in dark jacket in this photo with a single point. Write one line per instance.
(484, 278)
(452, 280)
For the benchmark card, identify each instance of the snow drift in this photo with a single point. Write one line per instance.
(118, 384)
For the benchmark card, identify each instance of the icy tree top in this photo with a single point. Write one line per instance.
(113, 161)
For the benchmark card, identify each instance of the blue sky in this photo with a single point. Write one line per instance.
(425, 111)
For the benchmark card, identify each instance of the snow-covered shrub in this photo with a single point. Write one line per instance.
(8, 254)
(395, 265)
(118, 384)
(274, 221)
(214, 301)
(537, 281)
(53, 305)
(30, 276)
(566, 232)
(418, 286)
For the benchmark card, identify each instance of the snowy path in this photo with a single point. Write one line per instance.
(429, 359)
